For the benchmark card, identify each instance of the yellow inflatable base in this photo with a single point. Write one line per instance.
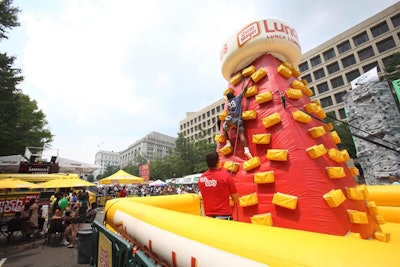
(177, 218)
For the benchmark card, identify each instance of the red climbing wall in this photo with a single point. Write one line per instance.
(301, 180)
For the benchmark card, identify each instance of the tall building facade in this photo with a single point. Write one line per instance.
(202, 124)
(328, 68)
(104, 159)
(150, 147)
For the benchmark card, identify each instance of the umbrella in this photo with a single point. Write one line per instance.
(121, 177)
(61, 183)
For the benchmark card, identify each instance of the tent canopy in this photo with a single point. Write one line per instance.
(121, 177)
(157, 183)
(64, 183)
(11, 183)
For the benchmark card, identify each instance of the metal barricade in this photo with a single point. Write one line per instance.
(111, 250)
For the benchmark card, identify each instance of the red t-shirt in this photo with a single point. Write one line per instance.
(216, 186)
(122, 193)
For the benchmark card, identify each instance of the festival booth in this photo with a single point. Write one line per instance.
(120, 177)
(157, 183)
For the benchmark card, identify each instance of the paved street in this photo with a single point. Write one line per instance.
(22, 254)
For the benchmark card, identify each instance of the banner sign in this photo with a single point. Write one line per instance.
(144, 171)
(12, 203)
(369, 76)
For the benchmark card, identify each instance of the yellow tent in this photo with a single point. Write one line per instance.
(61, 183)
(11, 183)
(121, 177)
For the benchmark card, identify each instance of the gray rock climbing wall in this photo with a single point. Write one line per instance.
(372, 110)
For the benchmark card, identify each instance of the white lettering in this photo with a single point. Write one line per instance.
(208, 183)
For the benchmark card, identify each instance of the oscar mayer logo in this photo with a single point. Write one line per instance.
(248, 33)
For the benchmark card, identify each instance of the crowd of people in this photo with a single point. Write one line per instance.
(74, 214)
(143, 190)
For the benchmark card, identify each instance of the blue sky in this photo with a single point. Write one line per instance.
(108, 72)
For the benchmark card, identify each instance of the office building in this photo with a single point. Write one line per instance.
(104, 159)
(202, 124)
(330, 67)
(152, 146)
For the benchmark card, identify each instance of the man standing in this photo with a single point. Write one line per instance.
(216, 186)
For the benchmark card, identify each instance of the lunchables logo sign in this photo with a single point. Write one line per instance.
(271, 29)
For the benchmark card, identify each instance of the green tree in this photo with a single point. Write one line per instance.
(132, 169)
(110, 170)
(343, 130)
(188, 158)
(8, 17)
(21, 122)
(392, 70)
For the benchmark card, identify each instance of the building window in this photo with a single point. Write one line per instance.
(365, 53)
(396, 20)
(371, 66)
(313, 91)
(323, 87)
(315, 61)
(331, 114)
(318, 74)
(352, 75)
(343, 47)
(338, 81)
(307, 78)
(326, 101)
(339, 97)
(386, 44)
(332, 68)
(303, 66)
(360, 39)
(329, 54)
(348, 61)
(342, 113)
(379, 29)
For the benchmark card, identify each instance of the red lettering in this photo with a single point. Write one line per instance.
(223, 51)
(279, 27)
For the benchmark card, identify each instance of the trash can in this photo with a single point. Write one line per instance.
(84, 245)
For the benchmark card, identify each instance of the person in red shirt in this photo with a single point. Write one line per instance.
(123, 192)
(216, 186)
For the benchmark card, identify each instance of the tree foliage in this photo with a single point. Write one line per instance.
(8, 17)
(188, 158)
(21, 122)
(343, 130)
(392, 70)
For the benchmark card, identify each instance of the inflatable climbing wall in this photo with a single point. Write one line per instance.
(297, 177)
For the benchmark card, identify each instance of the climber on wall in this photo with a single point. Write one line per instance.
(234, 120)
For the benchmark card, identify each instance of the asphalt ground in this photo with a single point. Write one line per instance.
(24, 253)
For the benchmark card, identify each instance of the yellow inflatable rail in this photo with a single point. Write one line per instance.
(171, 228)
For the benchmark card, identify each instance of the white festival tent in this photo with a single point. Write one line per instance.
(11, 164)
(157, 183)
(73, 166)
(188, 179)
